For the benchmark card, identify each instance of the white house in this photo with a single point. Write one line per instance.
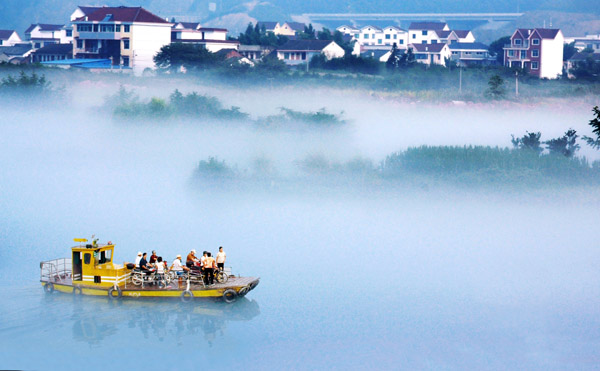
(300, 51)
(213, 39)
(269, 26)
(41, 34)
(538, 50)
(128, 36)
(426, 32)
(9, 38)
(289, 28)
(431, 53)
(586, 42)
(349, 30)
(468, 54)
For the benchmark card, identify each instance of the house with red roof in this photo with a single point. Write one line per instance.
(129, 37)
(539, 51)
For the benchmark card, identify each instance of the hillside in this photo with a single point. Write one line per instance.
(18, 14)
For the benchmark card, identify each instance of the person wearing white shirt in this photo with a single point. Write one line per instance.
(137, 259)
(221, 256)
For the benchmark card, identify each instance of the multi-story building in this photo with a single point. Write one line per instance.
(128, 36)
(40, 34)
(9, 38)
(538, 50)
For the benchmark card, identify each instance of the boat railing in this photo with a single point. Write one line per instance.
(57, 270)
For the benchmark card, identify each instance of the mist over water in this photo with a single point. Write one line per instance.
(407, 277)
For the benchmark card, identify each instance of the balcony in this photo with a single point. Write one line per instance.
(516, 47)
(100, 35)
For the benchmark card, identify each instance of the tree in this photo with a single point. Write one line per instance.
(495, 88)
(177, 55)
(595, 124)
(568, 51)
(392, 62)
(308, 33)
(565, 145)
(529, 141)
(496, 48)
(587, 69)
(324, 34)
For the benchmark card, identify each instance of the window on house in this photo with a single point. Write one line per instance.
(366, 36)
(517, 41)
(96, 28)
(387, 36)
(1, 42)
(69, 33)
(79, 44)
(37, 45)
(424, 32)
(126, 61)
(286, 55)
(118, 28)
(535, 41)
(523, 54)
(424, 42)
(303, 56)
(125, 44)
(126, 28)
(395, 36)
(511, 53)
(434, 41)
(401, 42)
(535, 53)
(379, 41)
(534, 65)
(414, 36)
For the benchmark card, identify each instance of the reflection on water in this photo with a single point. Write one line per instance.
(96, 318)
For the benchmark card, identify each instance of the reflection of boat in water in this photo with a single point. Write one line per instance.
(154, 318)
(91, 271)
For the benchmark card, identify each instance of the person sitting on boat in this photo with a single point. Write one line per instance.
(191, 259)
(221, 256)
(177, 267)
(137, 259)
(144, 265)
(153, 257)
(209, 269)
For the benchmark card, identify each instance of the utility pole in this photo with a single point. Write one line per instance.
(517, 83)
(459, 79)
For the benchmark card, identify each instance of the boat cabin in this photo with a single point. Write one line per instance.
(93, 265)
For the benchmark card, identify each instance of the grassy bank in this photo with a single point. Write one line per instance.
(460, 166)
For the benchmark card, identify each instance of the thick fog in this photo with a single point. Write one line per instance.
(414, 277)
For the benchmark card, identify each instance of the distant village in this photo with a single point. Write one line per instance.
(128, 39)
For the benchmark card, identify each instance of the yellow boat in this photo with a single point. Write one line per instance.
(91, 271)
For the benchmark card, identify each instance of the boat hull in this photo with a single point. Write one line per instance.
(240, 285)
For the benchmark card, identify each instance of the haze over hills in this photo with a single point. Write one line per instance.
(235, 15)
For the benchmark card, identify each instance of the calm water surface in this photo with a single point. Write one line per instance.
(426, 278)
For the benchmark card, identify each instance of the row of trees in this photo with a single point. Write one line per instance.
(565, 145)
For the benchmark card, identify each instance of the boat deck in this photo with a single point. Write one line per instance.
(173, 286)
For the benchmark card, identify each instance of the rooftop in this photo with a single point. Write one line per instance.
(468, 46)
(305, 45)
(5, 34)
(56, 49)
(122, 14)
(428, 48)
(45, 27)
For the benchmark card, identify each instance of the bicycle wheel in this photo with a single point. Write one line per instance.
(137, 279)
(222, 277)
